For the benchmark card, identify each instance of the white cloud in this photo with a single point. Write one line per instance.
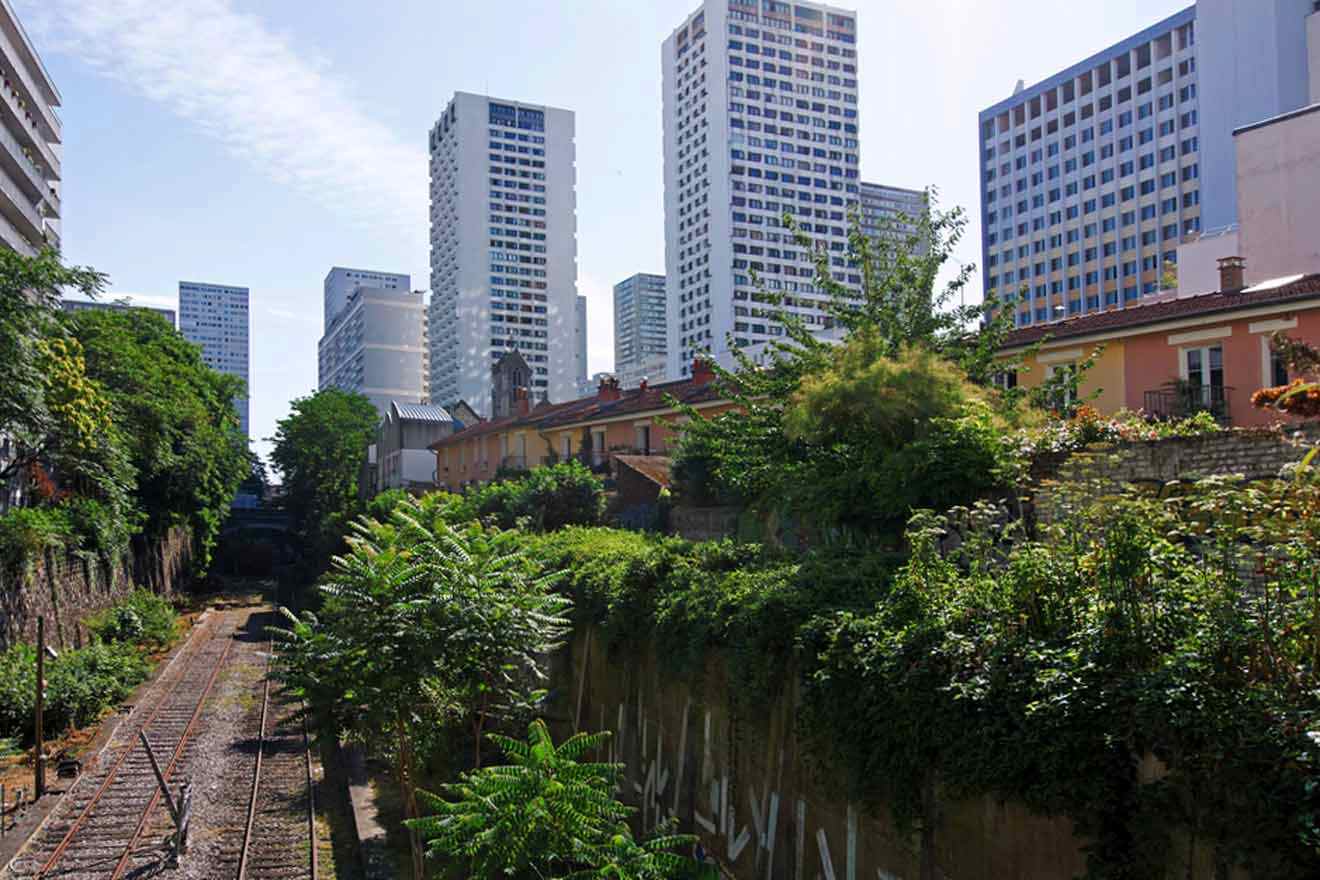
(231, 76)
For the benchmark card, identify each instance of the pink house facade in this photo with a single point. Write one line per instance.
(1178, 356)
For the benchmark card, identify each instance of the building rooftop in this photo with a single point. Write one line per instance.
(1278, 291)
(418, 412)
(595, 408)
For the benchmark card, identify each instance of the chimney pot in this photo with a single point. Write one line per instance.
(608, 390)
(1232, 274)
(702, 372)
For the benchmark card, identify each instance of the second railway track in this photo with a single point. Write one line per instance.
(279, 839)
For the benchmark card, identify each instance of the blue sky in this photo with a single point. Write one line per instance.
(260, 142)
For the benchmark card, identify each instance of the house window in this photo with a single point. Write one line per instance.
(1006, 380)
(1278, 369)
(1065, 397)
(566, 447)
(643, 439)
(1204, 367)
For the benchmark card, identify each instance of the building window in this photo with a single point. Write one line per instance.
(1278, 374)
(1204, 367)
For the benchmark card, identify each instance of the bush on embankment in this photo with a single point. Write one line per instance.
(81, 683)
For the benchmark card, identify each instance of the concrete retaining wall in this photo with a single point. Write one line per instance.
(745, 784)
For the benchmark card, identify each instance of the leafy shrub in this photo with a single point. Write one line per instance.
(546, 813)
(547, 498)
(143, 619)
(28, 532)
(80, 685)
(98, 526)
(853, 444)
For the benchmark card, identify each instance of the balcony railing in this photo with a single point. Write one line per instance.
(1181, 401)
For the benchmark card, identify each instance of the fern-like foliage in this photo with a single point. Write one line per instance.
(546, 813)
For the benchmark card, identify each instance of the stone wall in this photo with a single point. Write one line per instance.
(747, 786)
(705, 523)
(1252, 453)
(66, 588)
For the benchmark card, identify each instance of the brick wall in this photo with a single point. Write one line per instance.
(1252, 453)
(66, 588)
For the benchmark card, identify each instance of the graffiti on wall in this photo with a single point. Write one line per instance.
(657, 780)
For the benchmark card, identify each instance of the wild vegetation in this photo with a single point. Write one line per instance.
(116, 425)
(320, 450)
(1145, 667)
(83, 682)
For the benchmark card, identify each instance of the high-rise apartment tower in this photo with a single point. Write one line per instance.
(1093, 178)
(503, 247)
(215, 316)
(760, 119)
(30, 145)
(639, 322)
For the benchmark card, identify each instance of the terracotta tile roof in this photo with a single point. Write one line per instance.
(1265, 294)
(654, 467)
(554, 415)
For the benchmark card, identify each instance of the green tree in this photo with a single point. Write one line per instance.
(177, 415)
(423, 624)
(546, 813)
(320, 448)
(56, 415)
(794, 440)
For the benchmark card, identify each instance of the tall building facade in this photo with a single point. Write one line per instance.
(340, 283)
(580, 342)
(215, 317)
(1093, 178)
(30, 138)
(503, 247)
(760, 118)
(376, 345)
(891, 212)
(640, 332)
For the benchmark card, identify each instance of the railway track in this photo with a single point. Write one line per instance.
(279, 838)
(109, 824)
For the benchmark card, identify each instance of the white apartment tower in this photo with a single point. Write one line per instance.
(30, 138)
(341, 282)
(215, 316)
(377, 346)
(760, 119)
(503, 248)
(1094, 178)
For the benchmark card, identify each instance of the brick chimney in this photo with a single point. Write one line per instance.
(1232, 274)
(702, 371)
(608, 390)
(521, 404)
(642, 387)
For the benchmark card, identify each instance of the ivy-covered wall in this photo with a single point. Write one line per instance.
(749, 788)
(66, 588)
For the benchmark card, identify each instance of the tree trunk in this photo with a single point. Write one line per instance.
(407, 781)
(478, 727)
